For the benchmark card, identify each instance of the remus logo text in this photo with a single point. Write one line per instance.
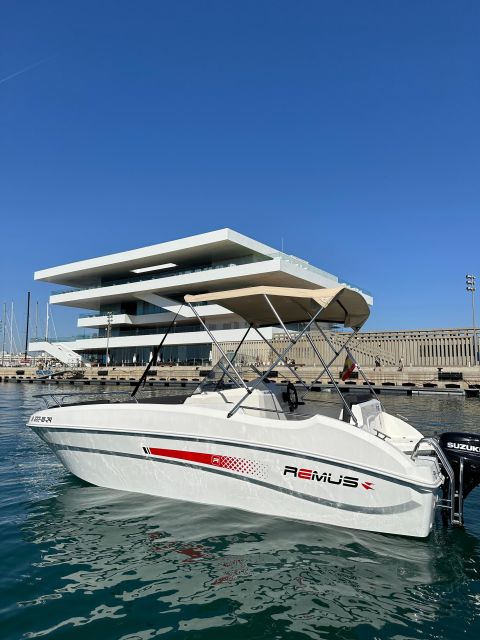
(310, 474)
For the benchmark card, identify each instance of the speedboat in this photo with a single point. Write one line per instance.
(266, 447)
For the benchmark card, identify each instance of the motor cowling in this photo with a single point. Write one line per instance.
(463, 453)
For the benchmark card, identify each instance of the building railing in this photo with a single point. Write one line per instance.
(177, 272)
(203, 268)
(134, 316)
(104, 314)
(66, 338)
(303, 264)
(141, 331)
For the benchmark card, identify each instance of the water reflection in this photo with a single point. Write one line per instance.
(155, 567)
(84, 561)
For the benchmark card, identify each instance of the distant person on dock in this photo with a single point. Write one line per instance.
(400, 364)
(377, 363)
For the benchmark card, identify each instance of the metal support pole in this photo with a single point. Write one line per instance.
(214, 340)
(337, 353)
(109, 327)
(225, 371)
(460, 492)
(293, 341)
(470, 286)
(280, 321)
(155, 354)
(475, 344)
(349, 353)
(278, 354)
(332, 380)
(372, 390)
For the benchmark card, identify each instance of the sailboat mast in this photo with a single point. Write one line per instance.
(4, 329)
(11, 332)
(28, 322)
(46, 325)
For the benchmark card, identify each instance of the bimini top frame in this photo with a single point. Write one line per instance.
(261, 306)
(266, 306)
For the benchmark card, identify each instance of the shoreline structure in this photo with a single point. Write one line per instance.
(411, 380)
(134, 296)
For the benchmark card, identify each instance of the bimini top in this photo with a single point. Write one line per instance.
(339, 305)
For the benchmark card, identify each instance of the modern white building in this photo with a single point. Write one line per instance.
(133, 296)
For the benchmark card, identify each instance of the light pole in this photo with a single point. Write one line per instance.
(470, 286)
(109, 327)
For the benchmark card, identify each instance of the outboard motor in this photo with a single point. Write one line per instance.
(462, 451)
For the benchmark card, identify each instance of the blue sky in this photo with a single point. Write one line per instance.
(349, 129)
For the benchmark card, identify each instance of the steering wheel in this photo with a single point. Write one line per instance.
(292, 396)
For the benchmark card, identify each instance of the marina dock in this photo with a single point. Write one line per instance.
(411, 381)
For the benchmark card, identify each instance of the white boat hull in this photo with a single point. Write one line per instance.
(317, 470)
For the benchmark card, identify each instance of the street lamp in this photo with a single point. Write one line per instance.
(470, 286)
(109, 327)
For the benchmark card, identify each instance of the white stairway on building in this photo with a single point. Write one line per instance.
(61, 352)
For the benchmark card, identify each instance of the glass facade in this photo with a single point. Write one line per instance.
(186, 354)
(146, 308)
(133, 308)
(183, 354)
(118, 332)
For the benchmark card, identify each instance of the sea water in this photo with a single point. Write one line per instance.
(79, 561)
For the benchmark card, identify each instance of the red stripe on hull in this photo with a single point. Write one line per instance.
(240, 465)
(192, 456)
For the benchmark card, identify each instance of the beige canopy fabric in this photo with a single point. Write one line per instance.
(339, 305)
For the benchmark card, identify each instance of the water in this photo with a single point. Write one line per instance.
(85, 562)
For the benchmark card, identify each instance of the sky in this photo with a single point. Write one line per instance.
(347, 130)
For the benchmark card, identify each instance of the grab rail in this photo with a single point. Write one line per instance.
(62, 396)
(449, 503)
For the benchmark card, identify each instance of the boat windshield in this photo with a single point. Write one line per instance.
(221, 376)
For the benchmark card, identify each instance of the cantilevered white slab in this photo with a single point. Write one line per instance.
(275, 272)
(218, 245)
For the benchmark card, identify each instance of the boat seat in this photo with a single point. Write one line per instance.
(352, 399)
